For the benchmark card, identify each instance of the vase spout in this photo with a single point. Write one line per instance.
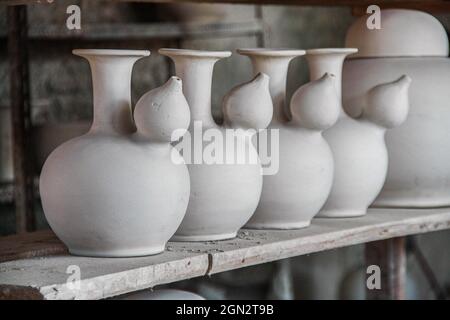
(387, 104)
(315, 105)
(249, 105)
(162, 114)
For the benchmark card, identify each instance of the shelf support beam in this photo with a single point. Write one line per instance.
(20, 117)
(390, 256)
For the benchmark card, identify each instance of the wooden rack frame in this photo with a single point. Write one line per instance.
(383, 231)
(434, 5)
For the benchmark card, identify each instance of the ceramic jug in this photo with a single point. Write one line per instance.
(296, 192)
(116, 191)
(224, 194)
(358, 145)
(413, 43)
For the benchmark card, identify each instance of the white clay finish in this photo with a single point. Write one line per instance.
(403, 33)
(358, 145)
(291, 197)
(114, 192)
(223, 196)
(419, 150)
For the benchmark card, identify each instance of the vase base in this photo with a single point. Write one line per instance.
(394, 200)
(342, 213)
(278, 226)
(123, 253)
(206, 237)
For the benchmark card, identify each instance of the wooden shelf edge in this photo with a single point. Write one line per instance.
(106, 277)
(30, 245)
(327, 241)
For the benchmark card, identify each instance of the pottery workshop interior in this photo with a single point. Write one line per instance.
(224, 150)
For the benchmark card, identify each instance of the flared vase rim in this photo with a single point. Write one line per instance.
(194, 53)
(271, 52)
(331, 51)
(111, 52)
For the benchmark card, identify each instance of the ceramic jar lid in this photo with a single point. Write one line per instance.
(403, 33)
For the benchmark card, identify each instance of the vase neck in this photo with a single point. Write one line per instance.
(196, 74)
(277, 69)
(321, 61)
(111, 82)
(274, 63)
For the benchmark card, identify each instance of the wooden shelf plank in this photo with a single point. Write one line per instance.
(46, 277)
(428, 5)
(30, 245)
(133, 31)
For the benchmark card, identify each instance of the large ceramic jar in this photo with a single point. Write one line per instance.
(413, 43)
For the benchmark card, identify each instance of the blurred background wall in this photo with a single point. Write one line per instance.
(61, 99)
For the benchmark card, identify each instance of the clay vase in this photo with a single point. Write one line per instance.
(161, 294)
(413, 43)
(296, 192)
(358, 145)
(115, 191)
(224, 193)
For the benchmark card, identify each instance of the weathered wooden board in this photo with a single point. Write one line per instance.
(428, 5)
(30, 245)
(46, 277)
(147, 31)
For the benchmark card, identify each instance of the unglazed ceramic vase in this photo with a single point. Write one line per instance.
(413, 43)
(358, 145)
(115, 191)
(224, 194)
(353, 285)
(296, 192)
(161, 294)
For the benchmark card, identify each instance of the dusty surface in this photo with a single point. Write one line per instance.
(106, 277)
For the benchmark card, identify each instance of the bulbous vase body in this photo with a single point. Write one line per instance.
(361, 161)
(102, 196)
(111, 193)
(294, 194)
(224, 194)
(223, 198)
